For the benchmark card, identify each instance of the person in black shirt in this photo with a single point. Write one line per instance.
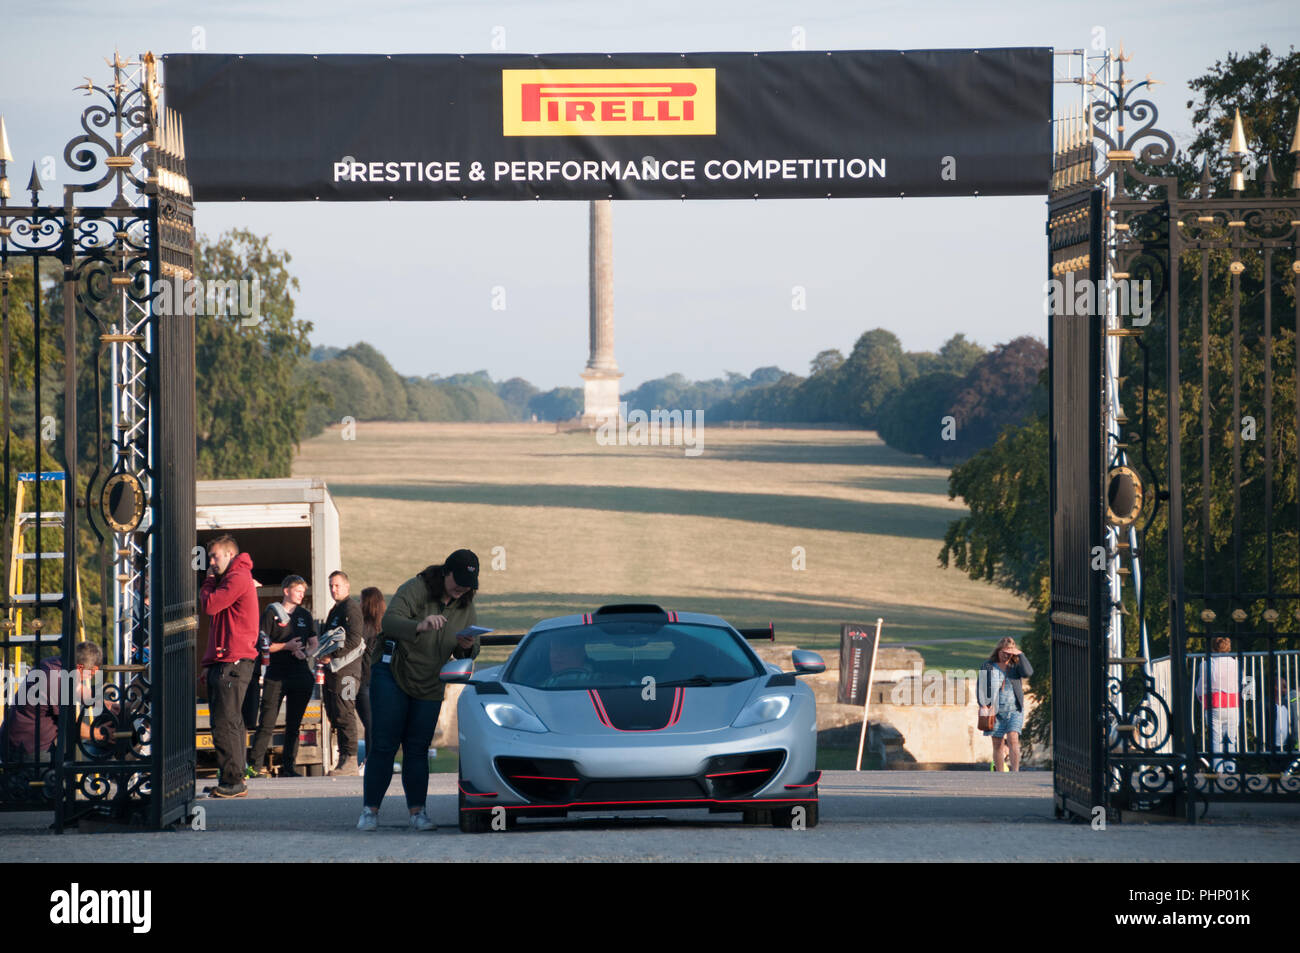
(291, 632)
(343, 674)
(373, 608)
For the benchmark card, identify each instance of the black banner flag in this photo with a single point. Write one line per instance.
(857, 657)
(290, 127)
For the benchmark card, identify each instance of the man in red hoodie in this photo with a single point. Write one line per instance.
(229, 596)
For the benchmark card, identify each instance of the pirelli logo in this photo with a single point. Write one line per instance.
(608, 102)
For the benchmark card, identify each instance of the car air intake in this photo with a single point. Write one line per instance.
(630, 608)
(549, 780)
(740, 775)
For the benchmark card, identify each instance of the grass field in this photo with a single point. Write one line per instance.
(562, 524)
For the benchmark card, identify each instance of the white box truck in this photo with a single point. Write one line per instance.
(288, 526)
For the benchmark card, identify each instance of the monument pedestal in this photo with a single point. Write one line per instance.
(599, 396)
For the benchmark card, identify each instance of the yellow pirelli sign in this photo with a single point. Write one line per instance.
(608, 102)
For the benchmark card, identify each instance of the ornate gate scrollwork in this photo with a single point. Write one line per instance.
(124, 455)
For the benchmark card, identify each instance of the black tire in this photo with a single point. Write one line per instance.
(471, 822)
(784, 816)
(475, 822)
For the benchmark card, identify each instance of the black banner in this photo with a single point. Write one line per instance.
(857, 655)
(628, 126)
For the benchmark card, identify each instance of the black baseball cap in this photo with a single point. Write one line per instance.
(463, 566)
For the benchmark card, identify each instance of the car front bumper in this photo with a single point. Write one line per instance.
(764, 766)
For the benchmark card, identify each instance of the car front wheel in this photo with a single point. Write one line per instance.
(471, 822)
(804, 815)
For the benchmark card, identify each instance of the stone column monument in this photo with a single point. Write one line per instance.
(601, 376)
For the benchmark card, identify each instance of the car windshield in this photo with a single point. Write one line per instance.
(623, 653)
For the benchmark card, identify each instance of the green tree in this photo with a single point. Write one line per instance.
(429, 400)
(391, 402)
(1003, 387)
(876, 369)
(251, 405)
(559, 403)
(516, 393)
(819, 395)
(912, 420)
(958, 355)
(826, 362)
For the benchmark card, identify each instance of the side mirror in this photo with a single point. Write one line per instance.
(807, 663)
(458, 671)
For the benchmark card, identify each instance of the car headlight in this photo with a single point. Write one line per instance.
(511, 716)
(770, 708)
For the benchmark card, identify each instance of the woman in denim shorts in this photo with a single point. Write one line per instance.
(999, 690)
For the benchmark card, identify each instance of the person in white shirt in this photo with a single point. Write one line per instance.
(1218, 692)
(1284, 701)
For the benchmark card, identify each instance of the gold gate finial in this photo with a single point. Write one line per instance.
(1295, 151)
(1237, 147)
(1238, 143)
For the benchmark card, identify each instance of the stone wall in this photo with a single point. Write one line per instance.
(914, 715)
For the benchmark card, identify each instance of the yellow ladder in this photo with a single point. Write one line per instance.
(23, 551)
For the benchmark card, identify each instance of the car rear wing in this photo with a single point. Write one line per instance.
(760, 635)
(501, 638)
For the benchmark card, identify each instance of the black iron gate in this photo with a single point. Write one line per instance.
(98, 471)
(1176, 507)
(1074, 364)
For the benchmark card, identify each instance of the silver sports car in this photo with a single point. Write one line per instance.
(634, 709)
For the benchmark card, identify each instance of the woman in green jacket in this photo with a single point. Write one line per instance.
(420, 630)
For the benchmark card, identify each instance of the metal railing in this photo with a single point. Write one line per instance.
(1269, 720)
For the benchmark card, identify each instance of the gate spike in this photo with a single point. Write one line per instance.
(1205, 177)
(1269, 179)
(5, 154)
(1238, 144)
(34, 184)
(1295, 151)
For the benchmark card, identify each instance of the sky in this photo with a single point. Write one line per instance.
(701, 287)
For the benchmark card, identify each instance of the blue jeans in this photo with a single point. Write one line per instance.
(398, 719)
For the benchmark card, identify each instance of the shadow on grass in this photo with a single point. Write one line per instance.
(848, 452)
(912, 483)
(818, 452)
(915, 521)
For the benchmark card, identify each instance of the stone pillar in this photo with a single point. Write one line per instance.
(601, 376)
